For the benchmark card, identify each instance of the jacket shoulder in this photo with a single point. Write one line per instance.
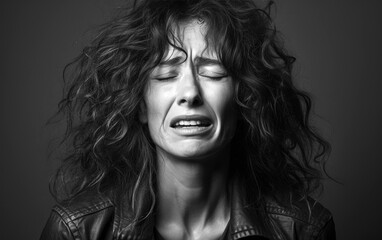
(80, 218)
(308, 211)
(305, 218)
(84, 205)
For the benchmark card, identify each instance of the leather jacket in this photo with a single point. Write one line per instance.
(95, 217)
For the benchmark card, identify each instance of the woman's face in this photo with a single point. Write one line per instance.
(189, 100)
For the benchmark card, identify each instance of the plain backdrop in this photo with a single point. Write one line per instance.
(338, 50)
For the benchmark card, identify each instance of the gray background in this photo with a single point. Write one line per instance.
(337, 45)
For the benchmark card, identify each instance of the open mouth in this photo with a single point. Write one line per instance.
(191, 122)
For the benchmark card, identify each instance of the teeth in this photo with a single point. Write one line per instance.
(188, 123)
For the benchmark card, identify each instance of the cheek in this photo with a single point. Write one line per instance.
(156, 104)
(154, 121)
(229, 116)
(221, 100)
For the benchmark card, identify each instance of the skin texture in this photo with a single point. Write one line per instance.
(193, 160)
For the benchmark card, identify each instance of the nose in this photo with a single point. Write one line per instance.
(189, 93)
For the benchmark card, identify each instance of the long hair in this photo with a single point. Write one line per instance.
(276, 150)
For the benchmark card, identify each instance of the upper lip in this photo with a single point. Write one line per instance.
(201, 118)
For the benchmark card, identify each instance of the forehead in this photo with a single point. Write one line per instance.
(190, 38)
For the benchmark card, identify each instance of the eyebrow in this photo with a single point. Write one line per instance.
(207, 61)
(200, 61)
(172, 61)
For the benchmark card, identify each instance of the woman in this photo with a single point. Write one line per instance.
(185, 124)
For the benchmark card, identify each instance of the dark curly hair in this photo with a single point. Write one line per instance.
(276, 150)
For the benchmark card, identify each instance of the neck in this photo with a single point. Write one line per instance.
(192, 197)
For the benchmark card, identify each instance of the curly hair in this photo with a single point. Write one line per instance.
(276, 150)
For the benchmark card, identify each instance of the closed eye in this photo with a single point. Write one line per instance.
(214, 72)
(214, 77)
(165, 78)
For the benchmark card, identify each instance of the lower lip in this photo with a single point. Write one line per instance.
(192, 131)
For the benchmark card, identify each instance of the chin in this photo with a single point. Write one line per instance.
(191, 152)
(194, 151)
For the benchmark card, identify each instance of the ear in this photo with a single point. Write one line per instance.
(142, 113)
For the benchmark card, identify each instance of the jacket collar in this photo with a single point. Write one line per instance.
(246, 220)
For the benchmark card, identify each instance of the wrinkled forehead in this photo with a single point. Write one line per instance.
(190, 38)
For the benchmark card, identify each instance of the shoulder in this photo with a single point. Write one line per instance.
(87, 204)
(80, 218)
(306, 218)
